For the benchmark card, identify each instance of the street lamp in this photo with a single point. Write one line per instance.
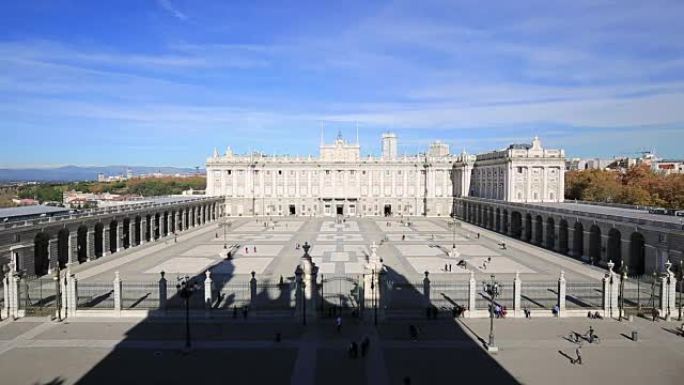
(225, 225)
(493, 289)
(623, 278)
(186, 289)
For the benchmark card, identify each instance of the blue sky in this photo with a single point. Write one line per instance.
(163, 82)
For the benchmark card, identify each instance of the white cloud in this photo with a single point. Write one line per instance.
(167, 6)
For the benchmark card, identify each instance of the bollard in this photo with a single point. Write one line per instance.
(635, 335)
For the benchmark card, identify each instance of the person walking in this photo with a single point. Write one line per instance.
(655, 314)
(578, 352)
(338, 323)
(364, 346)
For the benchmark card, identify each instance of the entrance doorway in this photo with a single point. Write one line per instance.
(292, 210)
(388, 210)
(340, 209)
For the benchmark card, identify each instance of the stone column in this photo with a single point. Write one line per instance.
(162, 292)
(13, 296)
(131, 233)
(162, 224)
(117, 292)
(52, 255)
(90, 245)
(105, 240)
(517, 291)
(561, 294)
(64, 286)
(73, 248)
(119, 236)
(143, 229)
(606, 295)
(182, 220)
(72, 297)
(668, 284)
(472, 292)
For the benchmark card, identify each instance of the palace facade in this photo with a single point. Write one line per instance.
(341, 182)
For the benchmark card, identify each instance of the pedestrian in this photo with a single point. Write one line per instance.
(175, 237)
(255, 249)
(338, 322)
(655, 314)
(449, 267)
(234, 311)
(413, 332)
(578, 352)
(354, 349)
(364, 346)
(403, 237)
(478, 235)
(245, 309)
(277, 337)
(246, 250)
(446, 267)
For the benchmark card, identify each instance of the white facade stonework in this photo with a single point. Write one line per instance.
(341, 182)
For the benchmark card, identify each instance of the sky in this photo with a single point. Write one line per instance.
(164, 82)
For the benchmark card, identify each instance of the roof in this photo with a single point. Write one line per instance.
(519, 146)
(31, 211)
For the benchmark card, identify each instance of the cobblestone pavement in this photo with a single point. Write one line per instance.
(532, 351)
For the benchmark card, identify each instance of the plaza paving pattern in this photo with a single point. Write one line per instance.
(532, 351)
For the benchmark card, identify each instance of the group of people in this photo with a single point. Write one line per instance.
(447, 267)
(354, 348)
(431, 312)
(247, 249)
(500, 311)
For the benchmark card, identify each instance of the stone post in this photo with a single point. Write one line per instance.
(119, 236)
(610, 291)
(606, 295)
(162, 292)
(5, 298)
(208, 292)
(52, 255)
(131, 233)
(253, 291)
(668, 284)
(162, 225)
(426, 289)
(117, 292)
(72, 290)
(105, 241)
(64, 285)
(561, 294)
(517, 291)
(14, 295)
(73, 248)
(472, 292)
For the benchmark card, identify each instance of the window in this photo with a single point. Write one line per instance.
(520, 170)
(230, 172)
(327, 172)
(280, 172)
(387, 172)
(363, 172)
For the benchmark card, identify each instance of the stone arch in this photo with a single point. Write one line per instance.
(563, 236)
(637, 253)
(614, 248)
(167, 225)
(63, 247)
(595, 243)
(539, 230)
(479, 215)
(550, 233)
(516, 224)
(490, 224)
(528, 227)
(82, 243)
(113, 235)
(578, 240)
(99, 239)
(172, 223)
(41, 254)
(126, 236)
(148, 227)
(156, 229)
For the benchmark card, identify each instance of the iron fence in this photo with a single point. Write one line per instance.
(539, 294)
(404, 295)
(583, 295)
(275, 296)
(231, 295)
(641, 292)
(95, 295)
(139, 295)
(37, 295)
(449, 294)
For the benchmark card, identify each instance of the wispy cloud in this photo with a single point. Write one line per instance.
(168, 7)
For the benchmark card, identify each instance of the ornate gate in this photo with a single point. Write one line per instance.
(340, 295)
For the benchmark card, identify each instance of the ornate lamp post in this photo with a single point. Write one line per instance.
(225, 225)
(58, 293)
(186, 289)
(492, 289)
(623, 278)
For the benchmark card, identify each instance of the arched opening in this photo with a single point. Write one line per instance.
(99, 239)
(497, 220)
(614, 246)
(41, 257)
(113, 236)
(538, 230)
(563, 236)
(516, 224)
(490, 222)
(63, 247)
(595, 244)
(156, 226)
(172, 223)
(528, 227)
(479, 215)
(505, 222)
(126, 236)
(136, 229)
(637, 254)
(550, 233)
(82, 244)
(167, 225)
(578, 240)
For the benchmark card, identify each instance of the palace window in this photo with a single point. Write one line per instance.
(280, 172)
(230, 172)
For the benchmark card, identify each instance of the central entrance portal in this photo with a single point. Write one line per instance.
(340, 209)
(388, 210)
(292, 210)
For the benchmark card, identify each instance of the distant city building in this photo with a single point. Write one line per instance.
(340, 182)
(101, 177)
(668, 166)
(25, 202)
(76, 199)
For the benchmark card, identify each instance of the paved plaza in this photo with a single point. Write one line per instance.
(269, 249)
(532, 351)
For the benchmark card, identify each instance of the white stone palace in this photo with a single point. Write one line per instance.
(341, 182)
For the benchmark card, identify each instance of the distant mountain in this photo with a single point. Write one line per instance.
(76, 173)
